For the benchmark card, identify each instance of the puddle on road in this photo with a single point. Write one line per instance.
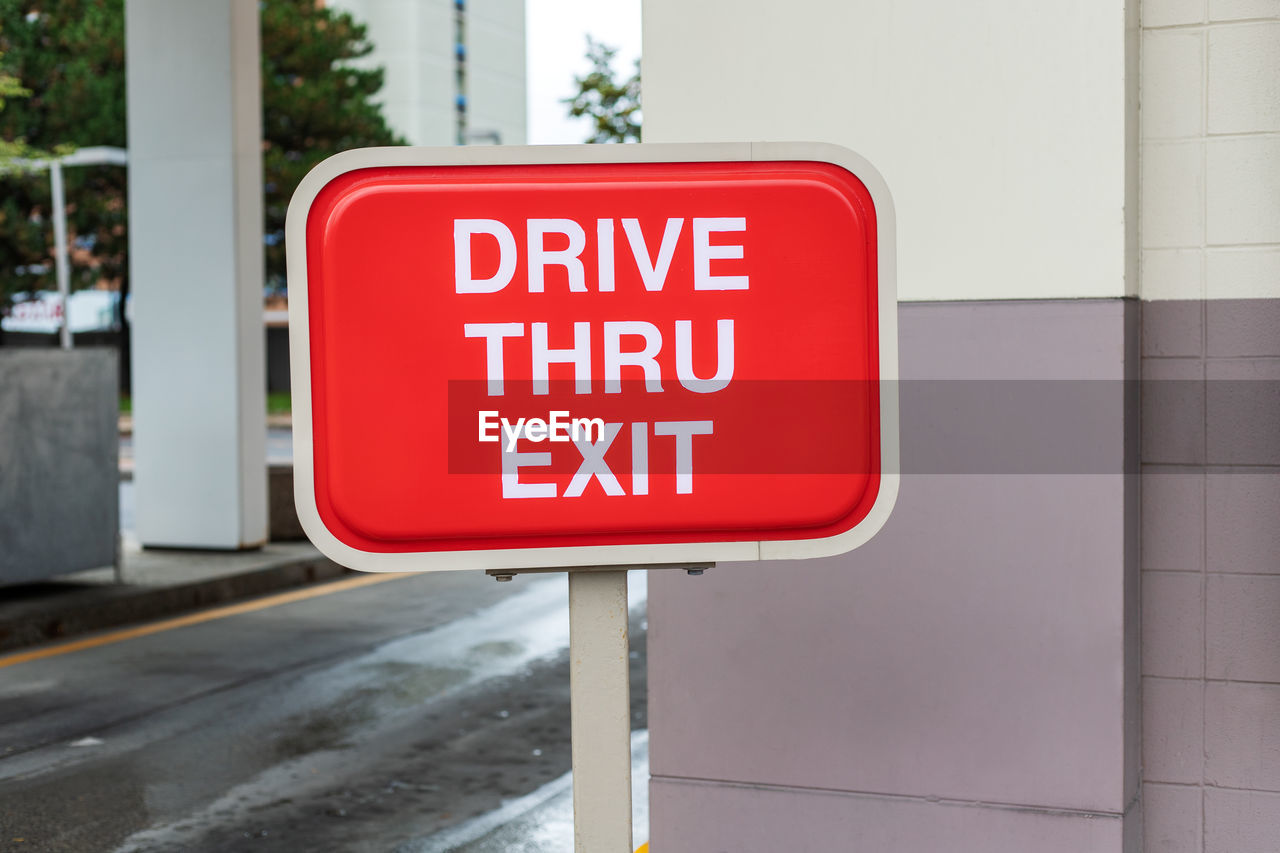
(402, 686)
(326, 729)
(410, 685)
(487, 652)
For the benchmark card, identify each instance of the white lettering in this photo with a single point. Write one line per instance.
(640, 458)
(486, 425)
(513, 432)
(579, 356)
(704, 253)
(684, 431)
(582, 427)
(512, 487)
(535, 429)
(493, 333)
(684, 358)
(653, 273)
(541, 257)
(604, 254)
(593, 465)
(646, 359)
(559, 425)
(463, 275)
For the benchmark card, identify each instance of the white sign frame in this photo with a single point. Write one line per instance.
(597, 555)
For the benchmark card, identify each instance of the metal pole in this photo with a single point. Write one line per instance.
(60, 247)
(600, 702)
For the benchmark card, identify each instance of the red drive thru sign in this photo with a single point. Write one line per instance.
(592, 355)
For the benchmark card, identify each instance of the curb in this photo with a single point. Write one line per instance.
(114, 606)
(281, 420)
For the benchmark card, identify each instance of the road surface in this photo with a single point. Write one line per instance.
(369, 715)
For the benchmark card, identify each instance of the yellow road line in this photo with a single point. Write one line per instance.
(197, 618)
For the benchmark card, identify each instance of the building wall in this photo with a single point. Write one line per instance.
(1211, 442)
(962, 676)
(1000, 126)
(968, 681)
(496, 69)
(415, 41)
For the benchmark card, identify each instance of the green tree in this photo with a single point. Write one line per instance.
(612, 105)
(10, 87)
(315, 104)
(70, 55)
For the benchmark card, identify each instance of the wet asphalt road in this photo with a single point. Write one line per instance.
(356, 721)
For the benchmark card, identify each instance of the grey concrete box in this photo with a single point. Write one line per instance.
(59, 468)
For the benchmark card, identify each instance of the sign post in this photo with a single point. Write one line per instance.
(600, 705)
(601, 358)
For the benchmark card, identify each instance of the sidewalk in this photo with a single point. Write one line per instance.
(156, 584)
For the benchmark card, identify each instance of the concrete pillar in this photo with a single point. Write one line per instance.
(195, 243)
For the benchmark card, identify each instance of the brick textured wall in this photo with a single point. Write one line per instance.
(1211, 425)
(1210, 117)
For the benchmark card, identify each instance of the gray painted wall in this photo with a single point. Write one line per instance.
(59, 469)
(968, 680)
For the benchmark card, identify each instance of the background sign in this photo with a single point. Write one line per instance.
(686, 355)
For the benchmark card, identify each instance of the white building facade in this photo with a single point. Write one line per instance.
(455, 69)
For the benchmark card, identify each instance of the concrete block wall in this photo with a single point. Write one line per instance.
(1211, 425)
(1210, 154)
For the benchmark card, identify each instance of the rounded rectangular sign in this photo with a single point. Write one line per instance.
(592, 355)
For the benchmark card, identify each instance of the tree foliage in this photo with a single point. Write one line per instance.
(10, 87)
(315, 103)
(613, 106)
(13, 152)
(69, 54)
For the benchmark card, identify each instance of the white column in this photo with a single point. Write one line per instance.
(195, 243)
